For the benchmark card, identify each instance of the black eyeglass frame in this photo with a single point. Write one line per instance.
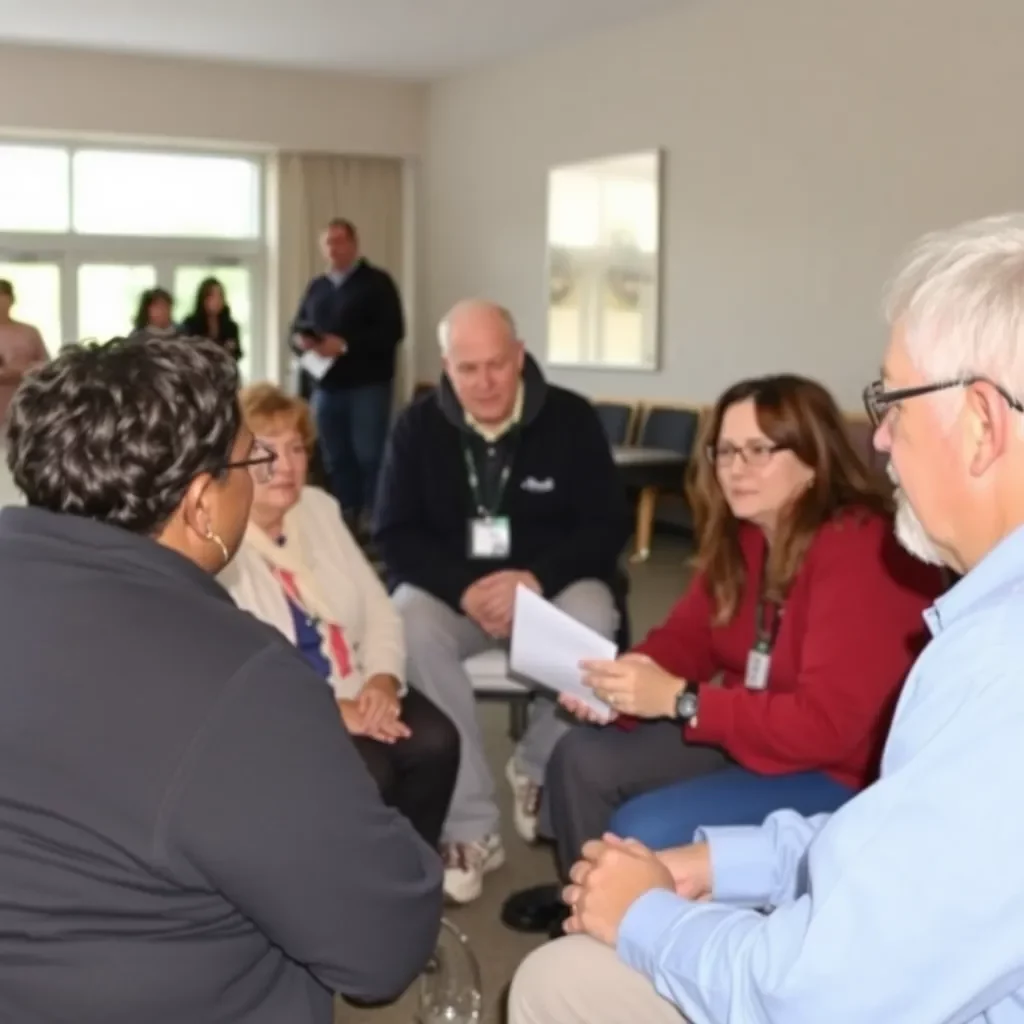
(265, 458)
(711, 452)
(878, 401)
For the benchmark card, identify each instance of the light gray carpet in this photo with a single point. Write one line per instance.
(655, 586)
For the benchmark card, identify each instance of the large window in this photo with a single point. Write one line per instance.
(35, 190)
(85, 229)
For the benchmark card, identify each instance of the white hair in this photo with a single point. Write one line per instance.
(444, 328)
(959, 298)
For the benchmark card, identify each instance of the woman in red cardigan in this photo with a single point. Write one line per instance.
(773, 680)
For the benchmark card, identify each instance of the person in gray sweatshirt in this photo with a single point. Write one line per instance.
(187, 832)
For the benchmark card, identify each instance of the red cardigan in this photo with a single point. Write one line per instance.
(851, 630)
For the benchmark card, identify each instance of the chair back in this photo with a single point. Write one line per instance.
(861, 433)
(617, 420)
(674, 430)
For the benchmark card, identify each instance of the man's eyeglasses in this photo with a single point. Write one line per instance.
(756, 454)
(261, 461)
(878, 401)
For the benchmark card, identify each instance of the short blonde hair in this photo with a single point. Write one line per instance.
(265, 407)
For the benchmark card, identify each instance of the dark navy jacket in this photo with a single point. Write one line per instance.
(365, 310)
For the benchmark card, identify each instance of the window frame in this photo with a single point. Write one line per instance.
(70, 250)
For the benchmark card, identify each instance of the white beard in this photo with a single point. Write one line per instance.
(909, 531)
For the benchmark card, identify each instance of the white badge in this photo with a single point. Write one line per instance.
(490, 537)
(759, 664)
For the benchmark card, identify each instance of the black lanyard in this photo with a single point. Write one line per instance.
(474, 483)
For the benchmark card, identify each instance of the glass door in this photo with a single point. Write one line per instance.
(37, 298)
(108, 298)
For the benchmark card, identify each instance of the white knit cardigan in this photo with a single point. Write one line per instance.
(354, 594)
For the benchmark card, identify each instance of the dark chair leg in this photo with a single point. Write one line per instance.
(518, 708)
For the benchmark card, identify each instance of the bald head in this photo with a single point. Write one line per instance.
(472, 317)
(483, 358)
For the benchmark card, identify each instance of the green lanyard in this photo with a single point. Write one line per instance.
(474, 484)
(767, 634)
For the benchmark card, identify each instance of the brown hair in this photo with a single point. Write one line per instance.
(801, 416)
(344, 224)
(265, 406)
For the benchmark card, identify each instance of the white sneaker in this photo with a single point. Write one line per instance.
(525, 802)
(465, 865)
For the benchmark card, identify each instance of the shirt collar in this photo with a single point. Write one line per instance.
(1002, 568)
(339, 277)
(491, 434)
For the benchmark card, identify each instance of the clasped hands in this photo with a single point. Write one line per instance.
(375, 713)
(631, 685)
(613, 873)
(490, 601)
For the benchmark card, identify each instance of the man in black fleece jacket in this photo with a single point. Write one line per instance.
(496, 479)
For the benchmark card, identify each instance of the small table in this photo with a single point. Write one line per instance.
(648, 470)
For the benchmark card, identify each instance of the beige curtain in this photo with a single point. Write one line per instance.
(311, 189)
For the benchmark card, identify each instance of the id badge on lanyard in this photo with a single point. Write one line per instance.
(759, 659)
(490, 537)
(759, 665)
(489, 534)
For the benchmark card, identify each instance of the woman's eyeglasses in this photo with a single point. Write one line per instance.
(755, 454)
(261, 461)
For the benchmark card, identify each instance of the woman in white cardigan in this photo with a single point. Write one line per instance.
(301, 571)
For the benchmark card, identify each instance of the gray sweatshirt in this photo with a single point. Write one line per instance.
(187, 832)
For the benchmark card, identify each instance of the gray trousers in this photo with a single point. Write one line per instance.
(438, 640)
(595, 769)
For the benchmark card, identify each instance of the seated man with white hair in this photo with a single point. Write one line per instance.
(496, 479)
(907, 905)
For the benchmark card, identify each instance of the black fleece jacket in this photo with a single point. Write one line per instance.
(568, 512)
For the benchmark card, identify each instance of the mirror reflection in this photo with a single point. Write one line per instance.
(603, 259)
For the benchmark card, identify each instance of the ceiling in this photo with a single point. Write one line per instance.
(402, 38)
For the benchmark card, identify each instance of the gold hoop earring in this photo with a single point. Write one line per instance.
(214, 538)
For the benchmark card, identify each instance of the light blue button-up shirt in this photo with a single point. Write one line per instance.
(907, 905)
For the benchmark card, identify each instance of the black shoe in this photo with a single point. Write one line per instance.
(539, 909)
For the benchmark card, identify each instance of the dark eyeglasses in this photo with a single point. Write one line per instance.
(755, 454)
(878, 401)
(261, 461)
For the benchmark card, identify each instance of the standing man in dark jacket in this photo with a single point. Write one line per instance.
(351, 320)
(495, 480)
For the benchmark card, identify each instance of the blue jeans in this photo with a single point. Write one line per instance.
(352, 426)
(669, 816)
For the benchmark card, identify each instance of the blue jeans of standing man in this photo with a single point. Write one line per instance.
(669, 816)
(352, 425)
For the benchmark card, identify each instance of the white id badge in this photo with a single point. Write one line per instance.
(490, 537)
(759, 664)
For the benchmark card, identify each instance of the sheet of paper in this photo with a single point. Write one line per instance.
(315, 364)
(548, 646)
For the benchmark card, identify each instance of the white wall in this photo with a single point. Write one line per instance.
(808, 142)
(62, 91)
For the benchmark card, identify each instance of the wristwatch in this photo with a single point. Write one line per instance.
(688, 703)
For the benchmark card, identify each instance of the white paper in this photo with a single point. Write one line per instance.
(548, 646)
(315, 364)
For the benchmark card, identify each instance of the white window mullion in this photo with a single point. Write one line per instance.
(69, 298)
